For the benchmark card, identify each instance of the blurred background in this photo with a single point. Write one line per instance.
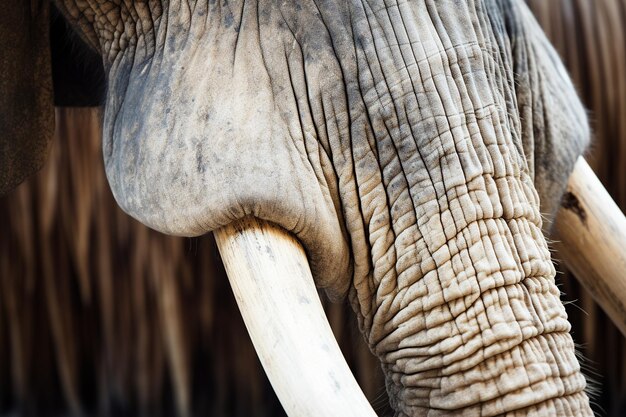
(100, 316)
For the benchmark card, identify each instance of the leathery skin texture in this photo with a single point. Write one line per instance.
(411, 146)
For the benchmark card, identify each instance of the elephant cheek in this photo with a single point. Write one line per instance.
(187, 154)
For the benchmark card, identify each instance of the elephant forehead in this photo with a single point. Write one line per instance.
(252, 86)
(198, 117)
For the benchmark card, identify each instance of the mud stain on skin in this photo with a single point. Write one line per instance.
(571, 202)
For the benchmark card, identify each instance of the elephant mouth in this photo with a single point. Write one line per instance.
(274, 288)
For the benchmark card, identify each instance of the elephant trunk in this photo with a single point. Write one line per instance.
(465, 312)
(492, 336)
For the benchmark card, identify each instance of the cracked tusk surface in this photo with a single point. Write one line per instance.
(592, 233)
(270, 276)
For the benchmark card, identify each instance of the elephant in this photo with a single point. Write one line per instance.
(580, 31)
(417, 150)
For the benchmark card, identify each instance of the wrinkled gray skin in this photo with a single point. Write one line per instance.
(407, 144)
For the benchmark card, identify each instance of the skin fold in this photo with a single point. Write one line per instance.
(417, 149)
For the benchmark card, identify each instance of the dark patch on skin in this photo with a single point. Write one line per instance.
(228, 20)
(171, 43)
(203, 113)
(200, 164)
(571, 202)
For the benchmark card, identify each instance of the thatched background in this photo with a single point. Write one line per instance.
(102, 316)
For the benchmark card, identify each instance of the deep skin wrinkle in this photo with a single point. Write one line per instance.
(410, 146)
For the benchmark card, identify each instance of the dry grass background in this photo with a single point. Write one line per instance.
(102, 316)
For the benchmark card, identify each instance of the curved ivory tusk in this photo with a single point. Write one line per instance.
(272, 282)
(592, 230)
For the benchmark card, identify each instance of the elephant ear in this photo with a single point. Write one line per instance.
(26, 98)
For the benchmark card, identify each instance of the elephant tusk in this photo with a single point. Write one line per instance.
(270, 277)
(592, 233)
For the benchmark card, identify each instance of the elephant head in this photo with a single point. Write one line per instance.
(418, 150)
